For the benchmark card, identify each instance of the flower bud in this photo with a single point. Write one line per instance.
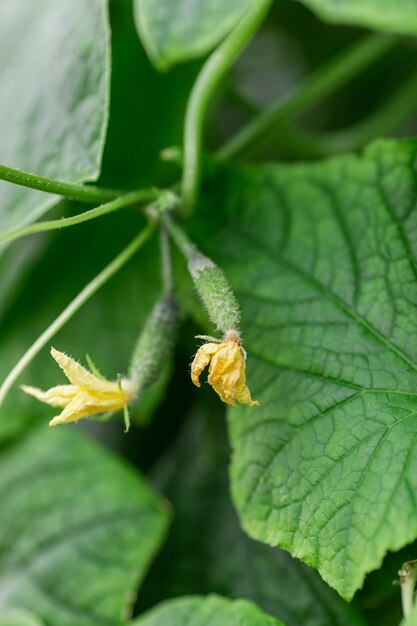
(227, 369)
(215, 292)
(210, 281)
(155, 343)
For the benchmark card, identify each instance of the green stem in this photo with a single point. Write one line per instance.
(207, 82)
(179, 236)
(408, 578)
(316, 88)
(82, 193)
(166, 261)
(142, 195)
(84, 295)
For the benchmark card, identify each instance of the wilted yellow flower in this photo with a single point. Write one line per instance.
(226, 370)
(87, 395)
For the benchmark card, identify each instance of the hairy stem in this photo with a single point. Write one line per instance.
(207, 82)
(84, 295)
(142, 195)
(312, 90)
(179, 236)
(83, 193)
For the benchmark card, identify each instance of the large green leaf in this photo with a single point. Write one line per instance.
(77, 530)
(179, 30)
(54, 81)
(397, 16)
(323, 259)
(210, 611)
(207, 551)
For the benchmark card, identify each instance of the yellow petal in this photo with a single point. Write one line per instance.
(242, 390)
(79, 376)
(85, 403)
(202, 359)
(227, 374)
(88, 395)
(224, 372)
(58, 396)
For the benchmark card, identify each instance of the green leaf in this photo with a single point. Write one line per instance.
(396, 16)
(174, 31)
(54, 83)
(323, 259)
(207, 551)
(77, 530)
(210, 611)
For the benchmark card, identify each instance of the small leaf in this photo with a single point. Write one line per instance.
(324, 261)
(396, 16)
(209, 611)
(78, 530)
(173, 31)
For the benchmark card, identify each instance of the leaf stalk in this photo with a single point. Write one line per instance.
(82, 193)
(142, 195)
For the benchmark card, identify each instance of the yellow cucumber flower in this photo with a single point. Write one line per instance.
(227, 366)
(87, 395)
